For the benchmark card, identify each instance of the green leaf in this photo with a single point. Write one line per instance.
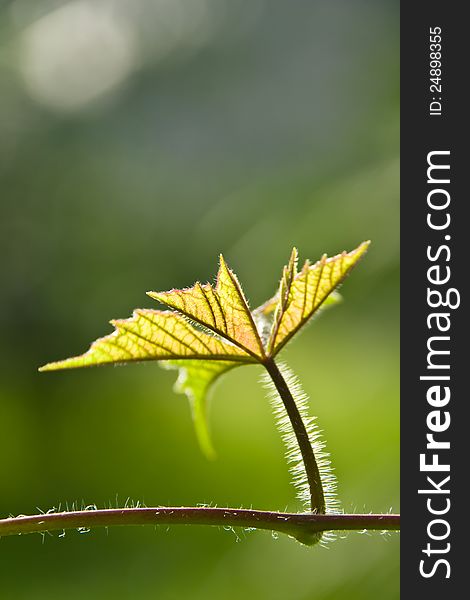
(210, 329)
(223, 309)
(271, 311)
(196, 379)
(153, 335)
(303, 294)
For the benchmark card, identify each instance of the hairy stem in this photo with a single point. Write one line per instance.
(317, 497)
(303, 527)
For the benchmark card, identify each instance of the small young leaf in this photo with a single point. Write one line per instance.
(264, 315)
(301, 295)
(196, 379)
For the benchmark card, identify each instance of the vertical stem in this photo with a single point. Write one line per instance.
(317, 498)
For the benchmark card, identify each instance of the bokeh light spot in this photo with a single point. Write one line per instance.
(76, 54)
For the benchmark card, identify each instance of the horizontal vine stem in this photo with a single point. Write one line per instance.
(298, 525)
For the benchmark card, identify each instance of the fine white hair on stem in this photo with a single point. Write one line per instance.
(293, 454)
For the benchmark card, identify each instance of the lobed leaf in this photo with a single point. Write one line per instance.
(153, 335)
(302, 294)
(211, 330)
(223, 309)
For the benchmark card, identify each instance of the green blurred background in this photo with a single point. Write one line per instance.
(138, 139)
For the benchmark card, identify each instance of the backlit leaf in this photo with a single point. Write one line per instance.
(223, 309)
(153, 335)
(302, 294)
(211, 329)
(196, 379)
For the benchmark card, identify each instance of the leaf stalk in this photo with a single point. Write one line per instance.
(317, 496)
